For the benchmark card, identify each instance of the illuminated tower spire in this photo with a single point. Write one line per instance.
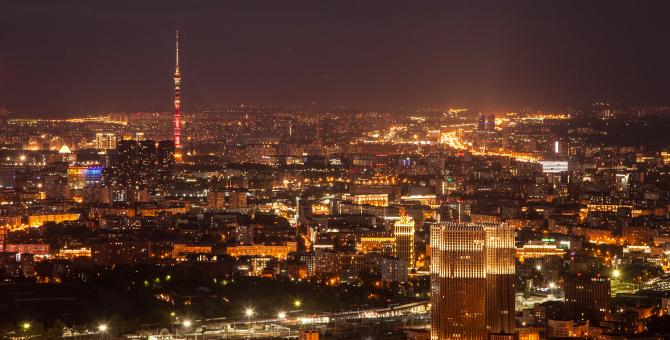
(177, 81)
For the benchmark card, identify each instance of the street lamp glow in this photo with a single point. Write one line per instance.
(297, 303)
(282, 315)
(249, 312)
(616, 273)
(26, 325)
(187, 323)
(103, 328)
(551, 285)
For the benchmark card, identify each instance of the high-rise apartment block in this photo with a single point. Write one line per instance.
(472, 280)
(394, 270)
(105, 140)
(146, 165)
(127, 169)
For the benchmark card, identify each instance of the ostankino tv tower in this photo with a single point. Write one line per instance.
(177, 81)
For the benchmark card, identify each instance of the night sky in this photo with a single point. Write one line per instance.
(77, 58)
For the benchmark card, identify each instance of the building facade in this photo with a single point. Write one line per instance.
(472, 280)
(588, 298)
(403, 230)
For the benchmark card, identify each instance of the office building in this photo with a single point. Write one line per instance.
(472, 280)
(500, 270)
(588, 298)
(403, 231)
(481, 123)
(76, 177)
(490, 123)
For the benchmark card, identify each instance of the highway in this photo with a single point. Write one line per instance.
(452, 140)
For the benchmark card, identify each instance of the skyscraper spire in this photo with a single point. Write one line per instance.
(177, 81)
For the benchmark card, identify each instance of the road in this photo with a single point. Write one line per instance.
(452, 140)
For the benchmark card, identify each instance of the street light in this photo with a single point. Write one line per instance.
(187, 323)
(282, 315)
(297, 303)
(26, 326)
(616, 273)
(103, 328)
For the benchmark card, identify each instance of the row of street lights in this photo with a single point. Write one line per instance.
(187, 323)
(281, 315)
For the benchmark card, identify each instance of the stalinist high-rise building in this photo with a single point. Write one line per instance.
(472, 280)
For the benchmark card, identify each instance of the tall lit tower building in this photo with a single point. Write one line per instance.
(500, 271)
(472, 280)
(403, 231)
(177, 81)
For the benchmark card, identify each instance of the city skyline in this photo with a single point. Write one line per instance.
(347, 170)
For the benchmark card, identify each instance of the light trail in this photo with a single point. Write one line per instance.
(452, 140)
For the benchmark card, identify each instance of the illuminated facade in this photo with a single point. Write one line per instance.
(376, 243)
(105, 141)
(554, 166)
(76, 177)
(378, 200)
(38, 220)
(34, 249)
(80, 177)
(472, 280)
(183, 248)
(403, 231)
(500, 270)
(607, 207)
(279, 251)
(75, 252)
(422, 199)
(538, 251)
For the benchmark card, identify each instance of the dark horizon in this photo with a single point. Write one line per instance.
(75, 59)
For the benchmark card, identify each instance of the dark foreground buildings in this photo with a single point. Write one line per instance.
(588, 298)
